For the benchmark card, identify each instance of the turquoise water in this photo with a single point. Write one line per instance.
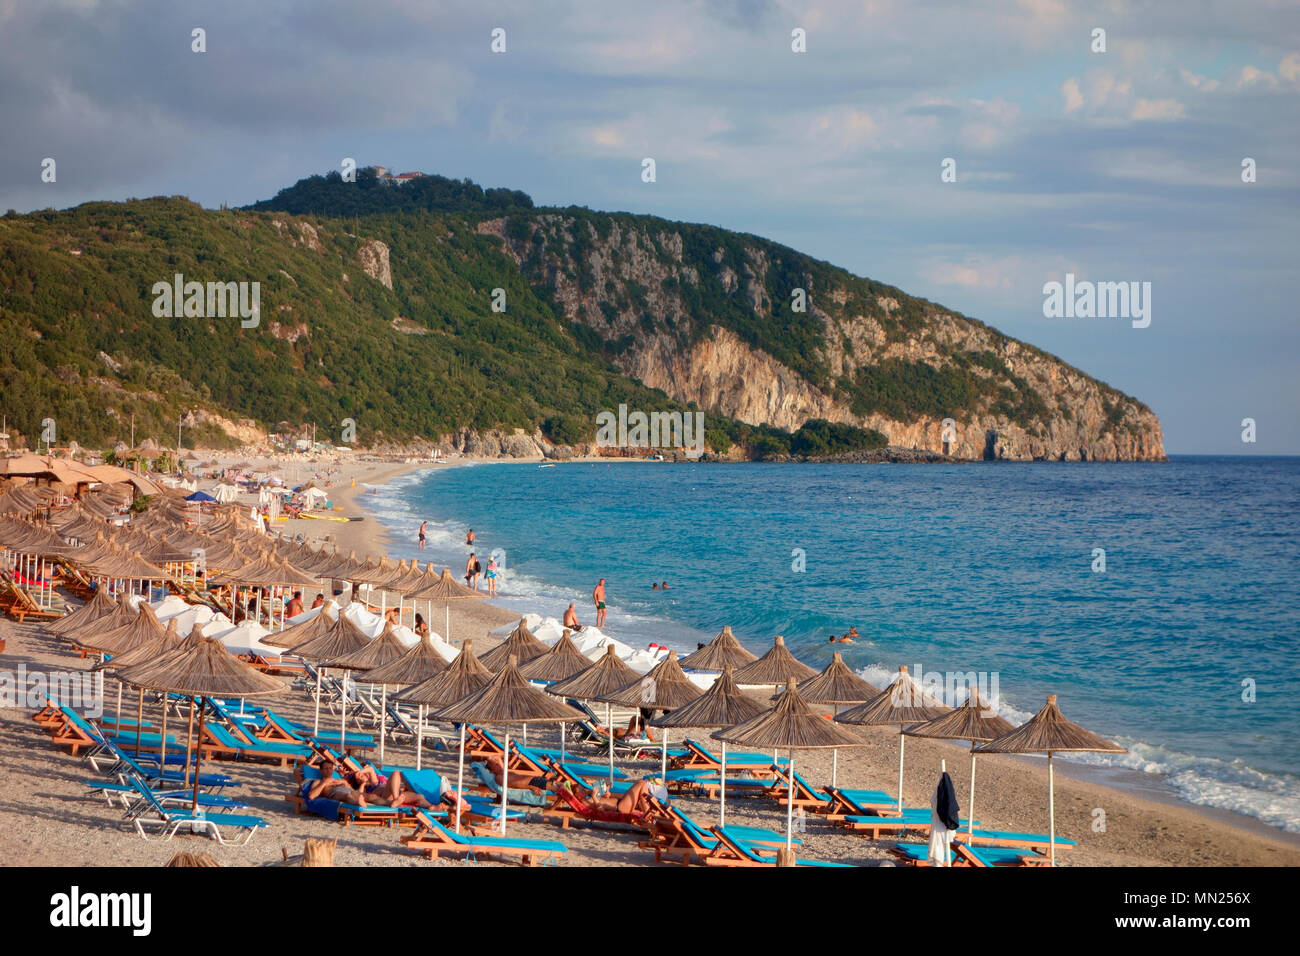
(971, 568)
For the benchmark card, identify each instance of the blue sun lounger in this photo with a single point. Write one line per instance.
(127, 793)
(171, 820)
(126, 763)
(754, 835)
(225, 742)
(736, 852)
(434, 839)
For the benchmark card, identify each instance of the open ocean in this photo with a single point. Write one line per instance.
(985, 568)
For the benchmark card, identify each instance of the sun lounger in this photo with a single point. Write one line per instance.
(124, 763)
(917, 854)
(572, 804)
(697, 755)
(127, 793)
(433, 839)
(221, 742)
(805, 794)
(170, 820)
(1039, 842)
(846, 803)
(732, 851)
(676, 836)
(371, 815)
(485, 782)
(873, 825)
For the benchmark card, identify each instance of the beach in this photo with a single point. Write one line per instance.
(51, 818)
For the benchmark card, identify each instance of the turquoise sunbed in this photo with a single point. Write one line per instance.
(731, 839)
(125, 763)
(741, 834)
(486, 845)
(171, 820)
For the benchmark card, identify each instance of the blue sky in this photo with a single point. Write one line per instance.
(1116, 166)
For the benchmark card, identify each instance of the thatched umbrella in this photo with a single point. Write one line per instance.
(790, 725)
(101, 604)
(384, 649)
(837, 685)
(203, 668)
(504, 700)
(418, 664)
(463, 676)
(975, 721)
(521, 645)
(777, 666)
(144, 625)
(562, 661)
(304, 631)
(601, 681)
(342, 638)
(720, 652)
(446, 589)
(1049, 732)
(147, 645)
(722, 705)
(902, 702)
(665, 688)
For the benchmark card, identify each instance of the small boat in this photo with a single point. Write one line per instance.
(546, 466)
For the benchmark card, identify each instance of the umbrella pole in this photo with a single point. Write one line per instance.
(383, 719)
(343, 720)
(563, 734)
(119, 703)
(460, 771)
(447, 628)
(970, 829)
(835, 754)
(162, 743)
(789, 807)
(609, 728)
(419, 735)
(139, 719)
(722, 790)
(505, 780)
(316, 726)
(189, 735)
(1051, 809)
(663, 761)
(902, 742)
(198, 762)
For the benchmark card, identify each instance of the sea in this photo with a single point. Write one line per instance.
(1158, 601)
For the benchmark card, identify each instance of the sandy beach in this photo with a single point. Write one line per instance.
(48, 817)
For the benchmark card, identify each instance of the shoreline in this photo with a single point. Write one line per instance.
(1144, 826)
(1138, 784)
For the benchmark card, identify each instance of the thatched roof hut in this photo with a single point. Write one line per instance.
(521, 645)
(837, 684)
(508, 699)
(902, 702)
(722, 705)
(463, 676)
(664, 688)
(418, 664)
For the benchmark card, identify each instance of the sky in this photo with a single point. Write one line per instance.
(1122, 165)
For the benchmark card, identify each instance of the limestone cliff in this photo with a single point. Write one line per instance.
(711, 317)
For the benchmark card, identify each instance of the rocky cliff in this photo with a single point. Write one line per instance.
(695, 312)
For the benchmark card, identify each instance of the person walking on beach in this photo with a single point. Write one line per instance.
(423, 526)
(598, 596)
(491, 577)
(472, 570)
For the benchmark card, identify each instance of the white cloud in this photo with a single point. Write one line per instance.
(1073, 95)
(1157, 110)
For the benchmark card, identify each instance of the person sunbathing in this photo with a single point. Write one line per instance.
(637, 801)
(636, 729)
(329, 787)
(520, 779)
(390, 791)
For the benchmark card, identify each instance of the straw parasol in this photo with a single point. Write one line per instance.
(1049, 732)
(790, 725)
(342, 638)
(144, 625)
(418, 664)
(902, 702)
(723, 650)
(777, 666)
(151, 649)
(101, 604)
(601, 681)
(201, 668)
(504, 700)
(521, 645)
(463, 676)
(562, 661)
(722, 705)
(445, 590)
(384, 649)
(664, 688)
(837, 685)
(304, 631)
(974, 720)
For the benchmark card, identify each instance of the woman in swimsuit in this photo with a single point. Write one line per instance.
(491, 577)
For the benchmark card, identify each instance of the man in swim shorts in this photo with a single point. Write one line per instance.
(598, 596)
